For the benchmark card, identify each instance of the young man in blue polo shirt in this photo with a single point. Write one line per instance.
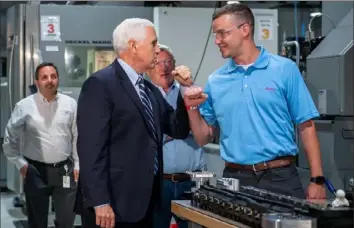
(255, 99)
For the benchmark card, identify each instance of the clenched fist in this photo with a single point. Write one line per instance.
(183, 75)
(194, 96)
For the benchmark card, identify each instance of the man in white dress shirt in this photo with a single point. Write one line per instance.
(40, 139)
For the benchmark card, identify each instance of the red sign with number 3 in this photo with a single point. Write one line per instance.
(50, 28)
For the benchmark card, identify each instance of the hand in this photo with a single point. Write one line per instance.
(183, 75)
(194, 96)
(23, 170)
(105, 216)
(76, 175)
(316, 192)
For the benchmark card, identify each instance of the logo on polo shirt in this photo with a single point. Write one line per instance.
(269, 88)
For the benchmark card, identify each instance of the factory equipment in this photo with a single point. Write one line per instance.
(78, 44)
(200, 178)
(329, 77)
(305, 47)
(330, 71)
(260, 208)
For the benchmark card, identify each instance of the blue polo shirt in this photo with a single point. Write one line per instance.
(256, 108)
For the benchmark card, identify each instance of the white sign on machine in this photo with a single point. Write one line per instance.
(50, 28)
(265, 28)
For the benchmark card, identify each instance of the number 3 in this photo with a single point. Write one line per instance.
(265, 34)
(50, 28)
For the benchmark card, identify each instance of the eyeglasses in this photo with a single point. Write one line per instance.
(222, 34)
(165, 62)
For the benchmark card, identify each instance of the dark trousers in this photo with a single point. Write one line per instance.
(43, 181)
(284, 180)
(171, 191)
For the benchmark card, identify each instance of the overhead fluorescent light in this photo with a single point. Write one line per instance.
(233, 2)
(315, 14)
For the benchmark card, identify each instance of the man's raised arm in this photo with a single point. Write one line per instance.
(194, 96)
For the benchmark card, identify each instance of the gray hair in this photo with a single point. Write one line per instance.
(131, 28)
(167, 49)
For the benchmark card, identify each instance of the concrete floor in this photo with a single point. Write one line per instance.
(12, 217)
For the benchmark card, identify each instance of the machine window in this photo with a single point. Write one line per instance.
(82, 61)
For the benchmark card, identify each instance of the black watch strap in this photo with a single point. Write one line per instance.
(318, 180)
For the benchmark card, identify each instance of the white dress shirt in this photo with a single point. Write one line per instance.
(42, 131)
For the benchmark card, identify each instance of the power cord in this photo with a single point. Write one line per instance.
(206, 44)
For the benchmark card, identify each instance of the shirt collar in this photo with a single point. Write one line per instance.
(43, 99)
(261, 62)
(172, 87)
(132, 75)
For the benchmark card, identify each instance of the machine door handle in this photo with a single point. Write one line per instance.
(347, 133)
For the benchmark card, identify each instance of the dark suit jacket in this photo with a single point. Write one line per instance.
(115, 144)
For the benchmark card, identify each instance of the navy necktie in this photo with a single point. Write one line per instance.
(149, 113)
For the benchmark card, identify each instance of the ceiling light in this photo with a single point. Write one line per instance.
(233, 2)
(315, 14)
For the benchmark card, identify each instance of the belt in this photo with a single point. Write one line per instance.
(57, 164)
(276, 163)
(177, 177)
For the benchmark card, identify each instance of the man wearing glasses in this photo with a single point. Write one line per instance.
(179, 155)
(255, 99)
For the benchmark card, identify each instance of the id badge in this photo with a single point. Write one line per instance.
(66, 182)
(66, 178)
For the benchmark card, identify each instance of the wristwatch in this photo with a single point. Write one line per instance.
(320, 180)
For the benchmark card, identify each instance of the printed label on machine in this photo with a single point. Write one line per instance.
(322, 101)
(50, 28)
(265, 28)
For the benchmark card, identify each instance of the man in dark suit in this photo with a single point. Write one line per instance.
(121, 120)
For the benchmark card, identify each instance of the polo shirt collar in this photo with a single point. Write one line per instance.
(261, 62)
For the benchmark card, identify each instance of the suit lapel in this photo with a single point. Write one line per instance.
(132, 93)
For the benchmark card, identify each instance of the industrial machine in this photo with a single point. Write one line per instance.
(264, 209)
(306, 46)
(259, 208)
(329, 77)
(78, 44)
